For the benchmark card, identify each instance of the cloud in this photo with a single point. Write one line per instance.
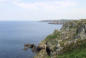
(44, 9)
(46, 4)
(2, 0)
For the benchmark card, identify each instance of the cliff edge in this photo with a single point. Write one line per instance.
(64, 43)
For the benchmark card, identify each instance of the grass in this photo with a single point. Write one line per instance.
(75, 53)
(53, 36)
(80, 48)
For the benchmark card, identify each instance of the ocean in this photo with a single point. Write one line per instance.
(14, 34)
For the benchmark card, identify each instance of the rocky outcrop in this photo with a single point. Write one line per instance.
(34, 48)
(71, 36)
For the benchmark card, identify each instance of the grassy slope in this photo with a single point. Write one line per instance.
(77, 53)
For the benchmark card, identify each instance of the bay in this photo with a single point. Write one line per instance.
(14, 34)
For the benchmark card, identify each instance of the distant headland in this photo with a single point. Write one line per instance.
(60, 21)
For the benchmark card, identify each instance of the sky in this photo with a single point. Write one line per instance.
(27, 10)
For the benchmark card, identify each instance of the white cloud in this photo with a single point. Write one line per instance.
(50, 9)
(3, 0)
(48, 4)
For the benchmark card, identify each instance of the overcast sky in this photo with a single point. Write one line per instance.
(41, 9)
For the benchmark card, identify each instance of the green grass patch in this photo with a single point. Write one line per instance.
(79, 52)
(56, 34)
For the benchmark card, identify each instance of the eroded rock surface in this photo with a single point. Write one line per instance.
(71, 36)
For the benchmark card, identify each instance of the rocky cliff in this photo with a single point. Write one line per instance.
(71, 36)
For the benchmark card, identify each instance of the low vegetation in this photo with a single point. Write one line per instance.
(69, 42)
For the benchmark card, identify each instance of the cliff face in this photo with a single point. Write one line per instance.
(70, 37)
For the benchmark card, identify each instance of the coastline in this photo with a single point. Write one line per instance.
(63, 43)
(70, 38)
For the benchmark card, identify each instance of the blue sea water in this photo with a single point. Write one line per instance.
(13, 36)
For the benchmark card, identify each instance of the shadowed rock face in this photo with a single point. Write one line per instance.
(48, 51)
(81, 28)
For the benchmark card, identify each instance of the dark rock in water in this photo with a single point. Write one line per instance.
(29, 45)
(37, 49)
(33, 47)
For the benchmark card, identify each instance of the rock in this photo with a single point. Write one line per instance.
(29, 45)
(71, 36)
(37, 49)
